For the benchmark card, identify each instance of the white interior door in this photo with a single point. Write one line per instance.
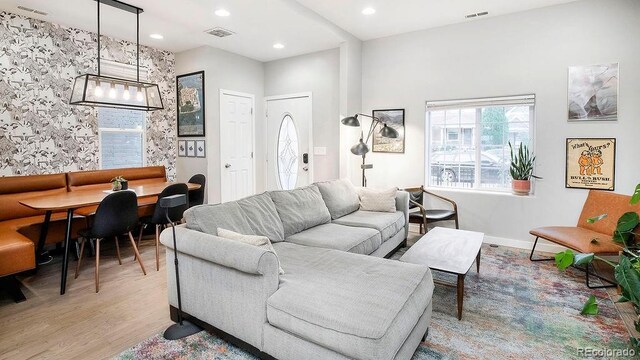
(236, 145)
(289, 141)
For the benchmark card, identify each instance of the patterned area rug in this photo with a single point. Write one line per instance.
(513, 309)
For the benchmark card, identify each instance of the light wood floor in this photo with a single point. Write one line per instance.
(81, 324)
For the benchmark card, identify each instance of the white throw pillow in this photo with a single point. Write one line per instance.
(255, 240)
(378, 200)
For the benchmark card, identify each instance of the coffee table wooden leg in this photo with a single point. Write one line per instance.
(460, 295)
(478, 260)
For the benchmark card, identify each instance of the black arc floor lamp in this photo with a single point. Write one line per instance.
(182, 328)
(361, 148)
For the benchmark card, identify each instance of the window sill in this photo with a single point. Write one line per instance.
(480, 192)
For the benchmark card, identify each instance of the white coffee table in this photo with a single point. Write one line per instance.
(448, 250)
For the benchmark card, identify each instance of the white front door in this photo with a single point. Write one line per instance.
(236, 145)
(289, 141)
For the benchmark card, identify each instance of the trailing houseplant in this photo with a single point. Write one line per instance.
(521, 169)
(626, 271)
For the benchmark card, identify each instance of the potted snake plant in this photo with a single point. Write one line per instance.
(521, 169)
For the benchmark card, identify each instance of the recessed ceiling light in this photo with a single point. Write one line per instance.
(222, 12)
(156, 36)
(278, 46)
(369, 11)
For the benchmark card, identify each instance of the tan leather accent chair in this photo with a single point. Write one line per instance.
(588, 237)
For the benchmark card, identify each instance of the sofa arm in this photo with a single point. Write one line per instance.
(232, 254)
(224, 283)
(402, 204)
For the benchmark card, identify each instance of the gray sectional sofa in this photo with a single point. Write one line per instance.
(338, 297)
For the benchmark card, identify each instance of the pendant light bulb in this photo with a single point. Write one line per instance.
(139, 95)
(98, 92)
(126, 94)
(112, 91)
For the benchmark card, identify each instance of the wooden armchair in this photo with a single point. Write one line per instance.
(418, 214)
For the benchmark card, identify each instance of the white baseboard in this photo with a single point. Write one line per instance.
(543, 245)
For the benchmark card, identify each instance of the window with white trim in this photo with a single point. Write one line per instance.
(121, 132)
(467, 141)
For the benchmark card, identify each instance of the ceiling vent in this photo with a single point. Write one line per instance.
(23, 8)
(219, 32)
(477, 14)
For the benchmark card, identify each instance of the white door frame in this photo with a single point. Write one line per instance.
(253, 133)
(303, 94)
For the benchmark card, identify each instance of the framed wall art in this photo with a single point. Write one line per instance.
(200, 149)
(190, 104)
(591, 163)
(191, 148)
(593, 92)
(395, 119)
(182, 148)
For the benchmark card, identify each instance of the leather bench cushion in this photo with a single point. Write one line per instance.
(101, 179)
(578, 239)
(388, 224)
(31, 226)
(17, 253)
(360, 306)
(340, 237)
(13, 189)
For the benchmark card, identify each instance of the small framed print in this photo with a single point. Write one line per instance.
(591, 163)
(191, 148)
(200, 149)
(182, 148)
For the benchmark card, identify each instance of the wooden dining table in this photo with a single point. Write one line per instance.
(72, 200)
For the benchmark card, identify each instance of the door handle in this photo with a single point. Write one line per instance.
(305, 158)
(227, 166)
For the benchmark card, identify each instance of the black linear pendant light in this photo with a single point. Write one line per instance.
(106, 91)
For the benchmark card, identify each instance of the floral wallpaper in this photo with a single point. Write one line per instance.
(40, 133)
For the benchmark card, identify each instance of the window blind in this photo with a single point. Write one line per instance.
(517, 100)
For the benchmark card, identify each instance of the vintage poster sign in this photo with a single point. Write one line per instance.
(591, 163)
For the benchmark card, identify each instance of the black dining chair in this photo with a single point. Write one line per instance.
(159, 217)
(420, 214)
(196, 197)
(117, 214)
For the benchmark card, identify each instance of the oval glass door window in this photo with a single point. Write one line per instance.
(287, 161)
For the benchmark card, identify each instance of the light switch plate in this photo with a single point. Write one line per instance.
(319, 150)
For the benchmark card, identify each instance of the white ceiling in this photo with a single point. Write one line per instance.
(259, 24)
(400, 16)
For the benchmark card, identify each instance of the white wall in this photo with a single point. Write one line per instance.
(223, 70)
(515, 54)
(318, 73)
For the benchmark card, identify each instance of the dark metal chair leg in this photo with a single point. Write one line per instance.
(534, 249)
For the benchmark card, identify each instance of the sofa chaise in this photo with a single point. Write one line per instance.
(338, 297)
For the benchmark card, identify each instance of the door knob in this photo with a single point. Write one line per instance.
(227, 166)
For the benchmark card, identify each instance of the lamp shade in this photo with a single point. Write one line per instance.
(389, 132)
(107, 91)
(360, 148)
(351, 121)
